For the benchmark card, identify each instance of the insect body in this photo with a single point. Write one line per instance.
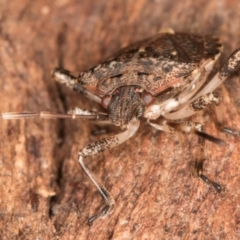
(163, 79)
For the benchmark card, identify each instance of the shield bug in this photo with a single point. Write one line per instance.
(162, 80)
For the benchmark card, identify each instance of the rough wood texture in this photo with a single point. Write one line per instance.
(44, 194)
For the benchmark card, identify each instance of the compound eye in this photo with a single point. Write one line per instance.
(147, 98)
(106, 100)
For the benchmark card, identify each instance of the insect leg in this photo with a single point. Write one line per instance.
(184, 127)
(198, 79)
(192, 92)
(220, 121)
(196, 128)
(200, 158)
(229, 67)
(199, 104)
(100, 146)
(65, 77)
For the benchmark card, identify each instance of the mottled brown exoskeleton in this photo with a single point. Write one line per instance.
(163, 79)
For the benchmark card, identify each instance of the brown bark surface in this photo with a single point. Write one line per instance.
(43, 192)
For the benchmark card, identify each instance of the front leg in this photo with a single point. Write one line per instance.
(66, 78)
(100, 146)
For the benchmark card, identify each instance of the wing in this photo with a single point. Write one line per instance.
(154, 64)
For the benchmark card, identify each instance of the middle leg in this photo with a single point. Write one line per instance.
(198, 129)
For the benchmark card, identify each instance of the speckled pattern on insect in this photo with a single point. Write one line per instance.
(162, 80)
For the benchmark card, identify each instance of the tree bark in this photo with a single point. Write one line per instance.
(44, 194)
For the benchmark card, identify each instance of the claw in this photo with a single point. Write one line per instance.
(104, 212)
(91, 219)
(217, 187)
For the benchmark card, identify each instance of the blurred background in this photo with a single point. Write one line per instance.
(44, 194)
